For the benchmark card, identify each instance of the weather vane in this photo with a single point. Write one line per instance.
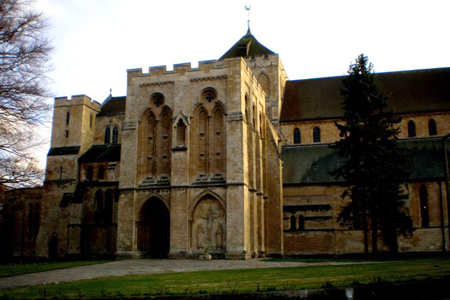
(247, 8)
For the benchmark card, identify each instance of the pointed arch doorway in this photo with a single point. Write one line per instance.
(154, 229)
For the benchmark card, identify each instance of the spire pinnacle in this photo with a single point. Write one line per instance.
(247, 8)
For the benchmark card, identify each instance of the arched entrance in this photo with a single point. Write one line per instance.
(53, 247)
(154, 228)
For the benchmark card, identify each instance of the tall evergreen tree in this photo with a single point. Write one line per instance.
(374, 166)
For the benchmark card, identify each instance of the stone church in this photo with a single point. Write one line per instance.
(231, 159)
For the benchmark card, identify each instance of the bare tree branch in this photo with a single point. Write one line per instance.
(24, 62)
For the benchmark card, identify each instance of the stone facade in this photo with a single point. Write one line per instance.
(195, 163)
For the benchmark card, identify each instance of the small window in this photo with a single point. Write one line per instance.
(67, 118)
(356, 209)
(209, 94)
(98, 214)
(260, 125)
(424, 214)
(67, 133)
(101, 172)
(293, 223)
(89, 173)
(297, 136)
(30, 222)
(107, 135)
(411, 129)
(246, 108)
(115, 137)
(157, 99)
(254, 116)
(301, 223)
(181, 134)
(108, 208)
(316, 135)
(432, 128)
(37, 220)
(90, 121)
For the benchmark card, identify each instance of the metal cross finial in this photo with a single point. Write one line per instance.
(247, 8)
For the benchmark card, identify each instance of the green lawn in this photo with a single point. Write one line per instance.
(18, 269)
(241, 280)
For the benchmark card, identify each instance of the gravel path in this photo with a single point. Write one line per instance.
(144, 266)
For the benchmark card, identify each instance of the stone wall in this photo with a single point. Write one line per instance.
(321, 233)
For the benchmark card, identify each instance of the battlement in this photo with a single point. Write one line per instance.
(186, 67)
(77, 100)
(263, 61)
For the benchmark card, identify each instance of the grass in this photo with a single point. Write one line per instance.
(338, 259)
(26, 268)
(232, 281)
(319, 259)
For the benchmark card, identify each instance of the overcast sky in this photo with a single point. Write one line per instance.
(96, 41)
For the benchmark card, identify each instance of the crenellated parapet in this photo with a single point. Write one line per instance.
(77, 100)
(182, 68)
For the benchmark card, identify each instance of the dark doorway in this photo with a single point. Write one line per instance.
(154, 229)
(53, 247)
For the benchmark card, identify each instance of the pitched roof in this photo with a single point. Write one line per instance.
(63, 151)
(113, 106)
(101, 153)
(312, 164)
(409, 91)
(247, 46)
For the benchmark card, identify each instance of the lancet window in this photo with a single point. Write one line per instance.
(155, 141)
(316, 135)
(411, 129)
(432, 127)
(297, 136)
(181, 134)
(209, 138)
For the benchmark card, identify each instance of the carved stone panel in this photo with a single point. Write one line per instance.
(208, 226)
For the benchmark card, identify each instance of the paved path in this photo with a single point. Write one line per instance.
(144, 266)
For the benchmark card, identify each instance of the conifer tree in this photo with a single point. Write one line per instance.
(374, 166)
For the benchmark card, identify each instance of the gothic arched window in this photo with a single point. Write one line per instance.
(411, 129)
(293, 223)
(424, 214)
(202, 142)
(316, 135)
(115, 135)
(181, 134)
(265, 83)
(297, 136)
(301, 223)
(432, 128)
(107, 135)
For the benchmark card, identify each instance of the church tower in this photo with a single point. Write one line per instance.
(266, 66)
